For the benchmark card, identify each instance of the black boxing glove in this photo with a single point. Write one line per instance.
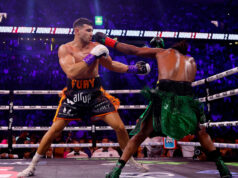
(105, 40)
(140, 67)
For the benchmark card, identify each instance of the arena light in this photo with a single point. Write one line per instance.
(215, 22)
(98, 20)
(3, 15)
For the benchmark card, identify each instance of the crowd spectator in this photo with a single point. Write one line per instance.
(105, 151)
(77, 152)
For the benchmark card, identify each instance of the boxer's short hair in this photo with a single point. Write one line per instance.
(81, 21)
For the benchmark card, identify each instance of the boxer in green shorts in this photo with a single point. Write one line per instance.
(172, 110)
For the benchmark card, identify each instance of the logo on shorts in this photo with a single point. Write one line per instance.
(65, 111)
(103, 108)
(70, 102)
(83, 84)
(85, 98)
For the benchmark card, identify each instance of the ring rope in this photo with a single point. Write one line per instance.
(215, 77)
(210, 98)
(218, 145)
(223, 94)
(220, 124)
(45, 128)
(196, 83)
(100, 128)
(6, 107)
(4, 92)
(56, 92)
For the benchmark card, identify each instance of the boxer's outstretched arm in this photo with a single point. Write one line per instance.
(138, 51)
(126, 48)
(114, 66)
(141, 67)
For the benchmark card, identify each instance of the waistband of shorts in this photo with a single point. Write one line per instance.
(180, 88)
(84, 84)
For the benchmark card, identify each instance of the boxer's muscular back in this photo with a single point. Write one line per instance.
(173, 65)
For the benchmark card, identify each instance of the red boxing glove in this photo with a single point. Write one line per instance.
(104, 39)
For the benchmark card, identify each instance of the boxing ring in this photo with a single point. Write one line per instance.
(161, 167)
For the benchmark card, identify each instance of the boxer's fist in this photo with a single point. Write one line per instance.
(140, 67)
(100, 37)
(97, 52)
(104, 39)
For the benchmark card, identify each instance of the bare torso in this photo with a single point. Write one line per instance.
(173, 65)
(78, 55)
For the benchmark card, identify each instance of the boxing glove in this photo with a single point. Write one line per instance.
(104, 39)
(97, 52)
(140, 67)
